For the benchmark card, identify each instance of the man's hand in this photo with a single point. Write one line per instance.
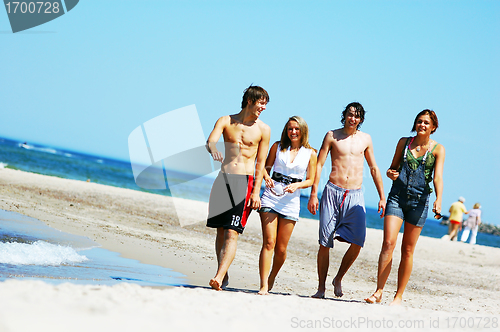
(254, 202)
(313, 204)
(269, 181)
(217, 155)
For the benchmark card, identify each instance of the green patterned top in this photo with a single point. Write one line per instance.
(414, 162)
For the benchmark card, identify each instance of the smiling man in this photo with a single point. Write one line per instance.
(342, 209)
(234, 192)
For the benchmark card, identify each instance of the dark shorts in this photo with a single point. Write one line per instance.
(228, 201)
(413, 211)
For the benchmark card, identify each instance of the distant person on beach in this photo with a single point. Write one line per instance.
(236, 189)
(290, 158)
(342, 209)
(457, 211)
(414, 162)
(471, 225)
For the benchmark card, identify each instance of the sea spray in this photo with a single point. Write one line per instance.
(38, 253)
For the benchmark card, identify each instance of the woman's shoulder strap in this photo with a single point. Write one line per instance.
(435, 145)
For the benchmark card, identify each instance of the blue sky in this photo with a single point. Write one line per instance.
(87, 79)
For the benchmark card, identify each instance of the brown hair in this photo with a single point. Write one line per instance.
(252, 94)
(433, 117)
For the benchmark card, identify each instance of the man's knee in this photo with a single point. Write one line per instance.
(355, 248)
(231, 234)
(323, 250)
(219, 238)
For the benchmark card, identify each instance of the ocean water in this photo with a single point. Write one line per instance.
(29, 249)
(107, 267)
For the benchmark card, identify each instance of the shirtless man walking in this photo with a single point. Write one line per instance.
(342, 208)
(235, 193)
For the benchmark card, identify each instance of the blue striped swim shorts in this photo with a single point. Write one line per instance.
(342, 216)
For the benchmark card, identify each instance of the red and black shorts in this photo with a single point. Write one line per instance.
(228, 201)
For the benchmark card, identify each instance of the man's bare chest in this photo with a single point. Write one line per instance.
(245, 135)
(349, 148)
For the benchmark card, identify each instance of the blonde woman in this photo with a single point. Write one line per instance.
(290, 158)
(472, 224)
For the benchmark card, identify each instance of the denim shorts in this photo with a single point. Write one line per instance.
(413, 212)
(268, 209)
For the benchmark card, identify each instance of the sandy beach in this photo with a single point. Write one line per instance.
(453, 285)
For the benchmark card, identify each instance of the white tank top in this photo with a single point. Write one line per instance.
(288, 204)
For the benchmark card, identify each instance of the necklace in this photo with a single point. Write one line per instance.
(418, 148)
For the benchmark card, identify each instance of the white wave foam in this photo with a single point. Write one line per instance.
(48, 150)
(3, 165)
(32, 147)
(38, 253)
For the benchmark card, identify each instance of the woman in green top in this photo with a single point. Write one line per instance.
(417, 161)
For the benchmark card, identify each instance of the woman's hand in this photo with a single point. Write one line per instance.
(291, 187)
(436, 207)
(392, 174)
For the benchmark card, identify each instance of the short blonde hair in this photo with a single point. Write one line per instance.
(477, 206)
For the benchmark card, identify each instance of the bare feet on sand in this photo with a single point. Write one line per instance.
(263, 291)
(396, 301)
(270, 283)
(215, 284)
(337, 288)
(225, 282)
(319, 295)
(375, 298)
